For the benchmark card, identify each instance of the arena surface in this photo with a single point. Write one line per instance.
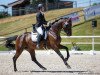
(81, 64)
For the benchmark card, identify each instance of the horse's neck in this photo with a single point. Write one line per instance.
(56, 28)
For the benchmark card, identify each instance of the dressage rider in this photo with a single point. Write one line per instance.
(40, 21)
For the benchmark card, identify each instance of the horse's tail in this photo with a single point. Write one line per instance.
(9, 42)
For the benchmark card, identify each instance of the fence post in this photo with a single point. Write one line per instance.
(94, 24)
(92, 52)
(93, 40)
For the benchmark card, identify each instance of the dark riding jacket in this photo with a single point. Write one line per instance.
(40, 19)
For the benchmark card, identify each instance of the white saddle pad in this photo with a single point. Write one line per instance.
(34, 36)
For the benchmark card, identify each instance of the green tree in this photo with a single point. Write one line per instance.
(94, 4)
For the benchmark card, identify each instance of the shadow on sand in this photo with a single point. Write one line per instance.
(55, 71)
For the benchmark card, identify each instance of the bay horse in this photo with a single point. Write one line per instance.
(53, 42)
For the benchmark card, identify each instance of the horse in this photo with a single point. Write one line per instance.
(24, 41)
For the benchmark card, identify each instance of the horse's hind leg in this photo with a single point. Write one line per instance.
(18, 52)
(32, 53)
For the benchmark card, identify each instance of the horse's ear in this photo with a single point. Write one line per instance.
(70, 20)
(66, 17)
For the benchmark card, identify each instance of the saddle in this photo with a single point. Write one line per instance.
(34, 34)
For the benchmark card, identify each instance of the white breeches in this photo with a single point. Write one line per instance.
(39, 30)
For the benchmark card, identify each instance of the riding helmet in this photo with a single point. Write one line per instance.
(40, 6)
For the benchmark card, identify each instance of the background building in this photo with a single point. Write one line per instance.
(52, 4)
(22, 7)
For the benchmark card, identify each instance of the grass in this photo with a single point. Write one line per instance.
(85, 47)
(82, 47)
(2, 48)
(13, 24)
(86, 28)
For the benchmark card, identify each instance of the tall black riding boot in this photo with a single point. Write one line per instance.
(38, 40)
(45, 44)
(45, 41)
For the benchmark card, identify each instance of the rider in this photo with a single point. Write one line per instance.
(40, 21)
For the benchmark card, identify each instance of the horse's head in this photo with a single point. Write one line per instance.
(67, 26)
(62, 23)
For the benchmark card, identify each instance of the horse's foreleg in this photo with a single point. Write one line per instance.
(56, 49)
(64, 47)
(61, 56)
(32, 53)
(15, 59)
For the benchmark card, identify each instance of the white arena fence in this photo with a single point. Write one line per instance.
(91, 37)
(74, 37)
(2, 37)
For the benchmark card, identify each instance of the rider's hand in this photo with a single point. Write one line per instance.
(48, 23)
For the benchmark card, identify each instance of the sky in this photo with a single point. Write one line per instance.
(6, 1)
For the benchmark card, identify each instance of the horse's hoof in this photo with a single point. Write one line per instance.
(68, 67)
(66, 59)
(15, 70)
(44, 68)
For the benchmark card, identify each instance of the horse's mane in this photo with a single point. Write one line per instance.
(55, 21)
(59, 20)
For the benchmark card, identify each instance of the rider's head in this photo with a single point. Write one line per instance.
(40, 7)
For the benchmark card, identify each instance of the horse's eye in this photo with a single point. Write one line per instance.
(65, 26)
